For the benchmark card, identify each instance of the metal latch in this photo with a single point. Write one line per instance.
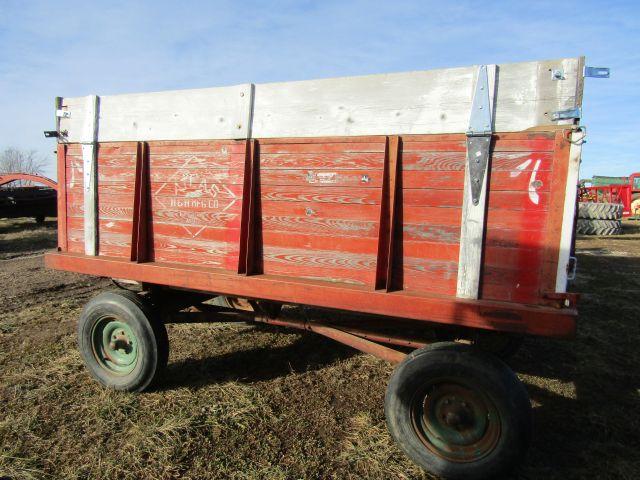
(572, 268)
(572, 113)
(63, 114)
(596, 72)
(479, 134)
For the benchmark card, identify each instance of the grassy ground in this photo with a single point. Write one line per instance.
(244, 402)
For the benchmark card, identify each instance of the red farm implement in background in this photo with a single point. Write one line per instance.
(26, 200)
(621, 190)
(432, 199)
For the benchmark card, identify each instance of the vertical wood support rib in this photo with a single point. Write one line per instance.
(473, 221)
(140, 228)
(62, 197)
(90, 174)
(388, 214)
(248, 225)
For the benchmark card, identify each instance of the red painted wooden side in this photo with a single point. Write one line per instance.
(320, 203)
(319, 208)
(195, 208)
(432, 181)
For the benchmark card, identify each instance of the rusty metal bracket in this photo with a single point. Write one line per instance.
(562, 300)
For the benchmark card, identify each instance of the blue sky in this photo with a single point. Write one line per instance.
(67, 48)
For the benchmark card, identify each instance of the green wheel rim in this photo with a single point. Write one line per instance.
(115, 346)
(455, 420)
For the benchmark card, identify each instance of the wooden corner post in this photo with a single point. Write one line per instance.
(90, 174)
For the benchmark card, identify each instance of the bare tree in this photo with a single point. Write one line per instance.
(13, 160)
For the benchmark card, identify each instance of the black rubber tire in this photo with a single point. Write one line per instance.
(600, 210)
(489, 375)
(153, 341)
(599, 227)
(502, 345)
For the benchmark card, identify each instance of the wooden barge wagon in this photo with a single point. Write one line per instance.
(441, 198)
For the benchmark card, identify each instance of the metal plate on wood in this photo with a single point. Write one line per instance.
(477, 158)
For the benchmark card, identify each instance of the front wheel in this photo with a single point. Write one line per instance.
(123, 344)
(458, 412)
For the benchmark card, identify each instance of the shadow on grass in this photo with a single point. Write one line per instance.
(596, 432)
(25, 225)
(20, 237)
(310, 352)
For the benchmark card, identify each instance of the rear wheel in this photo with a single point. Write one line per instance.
(123, 344)
(458, 412)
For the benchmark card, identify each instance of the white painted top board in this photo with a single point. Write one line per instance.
(420, 102)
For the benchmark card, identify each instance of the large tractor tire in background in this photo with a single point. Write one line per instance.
(599, 227)
(600, 211)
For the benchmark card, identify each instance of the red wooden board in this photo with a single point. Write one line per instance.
(319, 208)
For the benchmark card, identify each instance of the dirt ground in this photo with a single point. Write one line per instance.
(244, 402)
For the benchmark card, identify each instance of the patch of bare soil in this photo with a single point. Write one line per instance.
(245, 402)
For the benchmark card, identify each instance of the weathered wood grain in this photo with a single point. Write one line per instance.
(222, 112)
(421, 102)
(329, 231)
(89, 175)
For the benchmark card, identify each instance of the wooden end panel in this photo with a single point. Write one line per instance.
(433, 179)
(516, 233)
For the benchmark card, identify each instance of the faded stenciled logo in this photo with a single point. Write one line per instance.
(321, 177)
(193, 192)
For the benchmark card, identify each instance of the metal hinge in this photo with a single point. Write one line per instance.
(572, 113)
(596, 72)
(479, 134)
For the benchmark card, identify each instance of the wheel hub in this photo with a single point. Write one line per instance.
(455, 421)
(115, 346)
